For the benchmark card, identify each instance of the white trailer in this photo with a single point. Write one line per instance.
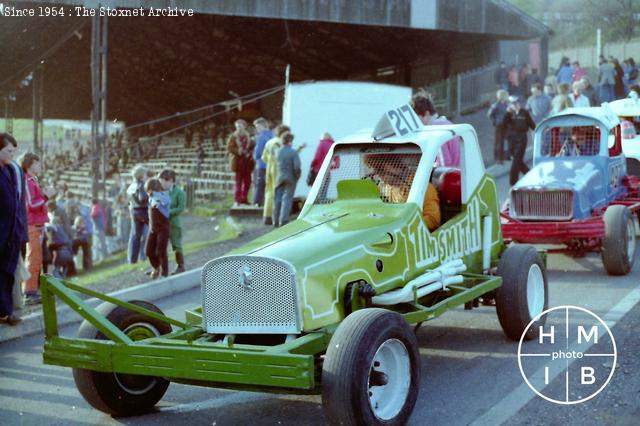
(340, 108)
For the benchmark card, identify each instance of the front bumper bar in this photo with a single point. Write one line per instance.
(184, 361)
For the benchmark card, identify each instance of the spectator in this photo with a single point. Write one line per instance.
(565, 73)
(138, 206)
(502, 77)
(496, 114)
(37, 216)
(533, 78)
(562, 100)
(449, 153)
(57, 213)
(514, 81)
(288, 175)
(200, 157)
(156, 248)
(606, 80)
(123, 225)
(264, 135)
(518, 122)
(523, 78)
(60, 247)
(559, 103)
(99, 226)
(590, 92)
(176, 208)
(323, 148)
(12, 225)
(269, 156)
(82, 240)
(618, 87)
(240, 149)
(538, 104)
(549, 90)
(577, 98)
(188, 138)
(578, 72)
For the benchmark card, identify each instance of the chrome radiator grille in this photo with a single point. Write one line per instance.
(249, 294)
(542, 205)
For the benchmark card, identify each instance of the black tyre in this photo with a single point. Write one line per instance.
(122, 394)
(524, 291)
(371, 372)
(619, 243)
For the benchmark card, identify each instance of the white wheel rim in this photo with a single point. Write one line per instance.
(631, 239)
(125, 378)
(392, 360)
(535, 290)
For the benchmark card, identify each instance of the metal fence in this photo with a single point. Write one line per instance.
(466, 91)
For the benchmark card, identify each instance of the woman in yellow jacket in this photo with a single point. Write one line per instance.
(270, 157)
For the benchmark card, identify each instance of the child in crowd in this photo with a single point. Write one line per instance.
(156, 248)
(60, 246)
(178, 197)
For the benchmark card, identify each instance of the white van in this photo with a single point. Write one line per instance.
(340, 108)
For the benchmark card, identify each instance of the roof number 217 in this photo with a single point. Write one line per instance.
(403, 120)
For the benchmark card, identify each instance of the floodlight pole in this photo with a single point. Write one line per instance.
(99, 96)
(103, 106)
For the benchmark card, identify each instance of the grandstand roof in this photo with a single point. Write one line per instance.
(161, 65)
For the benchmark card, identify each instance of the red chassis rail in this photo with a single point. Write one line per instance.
(578, 236)
(552, 232)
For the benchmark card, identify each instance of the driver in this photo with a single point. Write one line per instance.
(395, 172)
(578, 144)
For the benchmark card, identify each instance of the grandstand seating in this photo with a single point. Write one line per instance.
(214, 182)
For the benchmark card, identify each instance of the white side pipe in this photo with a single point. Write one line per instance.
(424, 284)
(486, 242)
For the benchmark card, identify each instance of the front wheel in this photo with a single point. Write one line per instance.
(122, 394)
(619, 244)
(524, 291)
(371, 372)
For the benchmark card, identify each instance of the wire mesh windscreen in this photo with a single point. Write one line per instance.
(570, 141)
(392, 170)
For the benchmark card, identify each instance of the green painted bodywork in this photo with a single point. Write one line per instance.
(338, 243)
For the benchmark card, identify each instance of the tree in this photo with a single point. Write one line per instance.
(619, 19)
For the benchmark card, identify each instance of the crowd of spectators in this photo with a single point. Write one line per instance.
(567, 86)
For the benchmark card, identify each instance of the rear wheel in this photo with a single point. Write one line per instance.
(619, 243)
(122, 394)
(371, 373)
(524, 291)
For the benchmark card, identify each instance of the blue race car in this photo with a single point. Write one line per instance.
(578, 194)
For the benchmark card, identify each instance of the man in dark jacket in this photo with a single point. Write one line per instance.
(12, 224)
(518, 121)
(288, 175)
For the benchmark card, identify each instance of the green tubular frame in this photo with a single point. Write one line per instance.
(188, 355)
(183, 355)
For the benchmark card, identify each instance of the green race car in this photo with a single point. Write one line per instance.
(326, 303)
